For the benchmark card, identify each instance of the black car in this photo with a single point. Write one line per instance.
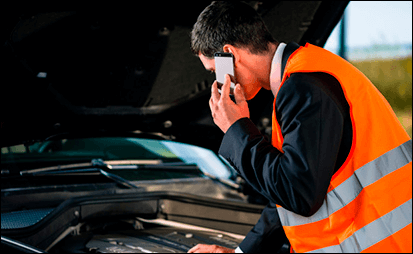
(108, 143)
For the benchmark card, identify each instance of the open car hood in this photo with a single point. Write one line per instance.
(127, 69)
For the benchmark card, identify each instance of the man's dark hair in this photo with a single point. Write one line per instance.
(229, 22)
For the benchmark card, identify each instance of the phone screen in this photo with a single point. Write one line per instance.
(224, 64)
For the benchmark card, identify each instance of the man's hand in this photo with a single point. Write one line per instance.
(224, 111)
(204, 248)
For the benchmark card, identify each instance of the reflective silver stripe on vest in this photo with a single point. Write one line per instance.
(375, 231)
(351, 188)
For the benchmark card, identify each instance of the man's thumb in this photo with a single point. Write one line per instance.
(239, 94)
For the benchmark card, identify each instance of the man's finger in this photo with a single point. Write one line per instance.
(212, 107)
(239, 94)
(193, 249)
(214, 92)
(196, 248)
(225, 90)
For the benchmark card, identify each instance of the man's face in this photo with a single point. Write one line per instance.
(244, 77)
(208, 63)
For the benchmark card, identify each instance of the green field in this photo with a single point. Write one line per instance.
(394, 80)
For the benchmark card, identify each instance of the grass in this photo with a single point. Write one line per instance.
(394, 80)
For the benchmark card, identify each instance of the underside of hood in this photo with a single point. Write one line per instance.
(127, 68)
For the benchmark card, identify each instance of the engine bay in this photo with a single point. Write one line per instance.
(132, 222)
(140, 236)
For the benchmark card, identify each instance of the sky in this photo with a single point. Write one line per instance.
(376, 22)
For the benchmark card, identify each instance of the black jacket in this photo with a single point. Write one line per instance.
(314, 117)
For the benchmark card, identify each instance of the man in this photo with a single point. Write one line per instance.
(338, 170)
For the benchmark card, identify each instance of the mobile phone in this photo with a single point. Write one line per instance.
(224, 64)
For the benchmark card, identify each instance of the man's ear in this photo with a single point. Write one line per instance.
(228, 48)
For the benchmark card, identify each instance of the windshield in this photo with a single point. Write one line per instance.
(113, 151)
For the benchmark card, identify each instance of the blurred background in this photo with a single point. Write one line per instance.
(376, 37)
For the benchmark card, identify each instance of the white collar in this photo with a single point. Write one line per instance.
(275, 77)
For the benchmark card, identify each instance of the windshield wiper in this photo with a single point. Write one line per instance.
(96, 165)
(160, 166)
(179, 166)
(80, 169)
(126, 164)
(225, 182)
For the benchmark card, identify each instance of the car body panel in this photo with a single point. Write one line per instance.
(117, 69)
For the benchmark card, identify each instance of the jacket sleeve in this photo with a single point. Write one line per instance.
(312, 127)
(267, 235)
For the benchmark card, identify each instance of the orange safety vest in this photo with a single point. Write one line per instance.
(368, 206)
